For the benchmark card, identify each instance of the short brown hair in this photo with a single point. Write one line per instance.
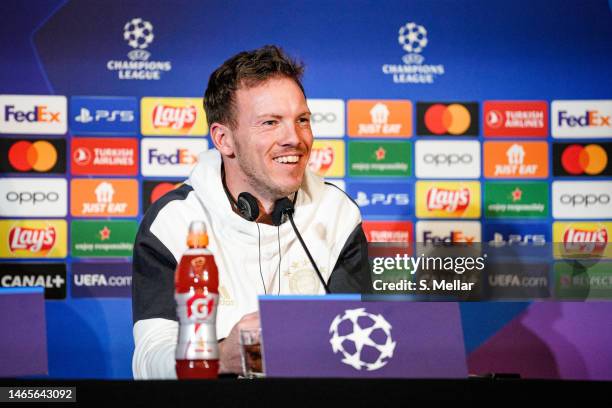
(248, 69)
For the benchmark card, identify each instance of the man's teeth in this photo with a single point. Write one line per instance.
(287, 159)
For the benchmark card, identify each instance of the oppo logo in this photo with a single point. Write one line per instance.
(320, 117)
(448, 159)
(586, 200)
(31, 197)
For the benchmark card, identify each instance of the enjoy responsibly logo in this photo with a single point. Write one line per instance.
(102, 238)
(413, 39)
(139, 35)
(379, 159)
(516, 200)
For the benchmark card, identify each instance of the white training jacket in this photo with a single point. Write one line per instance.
(328, 220)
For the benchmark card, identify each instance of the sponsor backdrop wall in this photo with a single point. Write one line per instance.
(445, 121)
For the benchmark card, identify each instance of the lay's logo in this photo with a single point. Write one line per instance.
(448, 199)
(581, 239)
(176, 118)
(327, 158)
(33, 239)
(173, 116)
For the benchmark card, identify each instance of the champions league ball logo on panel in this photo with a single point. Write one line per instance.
(363, 339)
(139, 35)
(413, 39)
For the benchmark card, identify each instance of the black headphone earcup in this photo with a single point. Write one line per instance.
(247, 206)
(281, 208)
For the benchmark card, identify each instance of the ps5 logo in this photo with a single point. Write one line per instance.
(85, 116)
(363, 200)
(517, 239)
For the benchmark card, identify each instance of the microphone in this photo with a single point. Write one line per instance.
(284, 207)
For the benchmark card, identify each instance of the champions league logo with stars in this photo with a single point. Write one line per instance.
(139, 35)
(413, 39)
(363, 339)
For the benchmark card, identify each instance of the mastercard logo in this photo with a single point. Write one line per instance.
(447, 119)
(161, 189)
(590, 159)
(37, 156)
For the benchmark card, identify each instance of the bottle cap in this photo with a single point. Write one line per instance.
(197, 237)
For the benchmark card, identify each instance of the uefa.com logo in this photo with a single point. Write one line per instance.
(412, 37)
(139, 35)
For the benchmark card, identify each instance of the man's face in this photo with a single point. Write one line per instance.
(272, 139)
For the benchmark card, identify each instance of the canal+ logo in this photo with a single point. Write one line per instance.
(31, 114)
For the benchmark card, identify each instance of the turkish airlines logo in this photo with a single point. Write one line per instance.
(581, 159)
(388, 231)
(104, 197)
(516, 160)
(33, 156)
(520, 119)
(173, 116)
(380, 118)
(447, 159)
(104, 156)
(32, 114)
(453, 119)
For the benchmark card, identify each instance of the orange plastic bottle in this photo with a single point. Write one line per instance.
(197, 296)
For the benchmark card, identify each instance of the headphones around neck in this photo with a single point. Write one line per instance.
(249, 209)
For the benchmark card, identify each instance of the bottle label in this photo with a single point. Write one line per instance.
(197, 313)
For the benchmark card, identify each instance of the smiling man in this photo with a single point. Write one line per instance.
(260, 125)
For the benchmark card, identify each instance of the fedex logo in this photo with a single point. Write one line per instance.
(40, 113)
(578, 119)
(170, 156)
(438, 232)
(589, 118)
(180, 156)
(381, 199)
(32, 114)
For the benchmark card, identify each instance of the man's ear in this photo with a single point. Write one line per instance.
(223, 138)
